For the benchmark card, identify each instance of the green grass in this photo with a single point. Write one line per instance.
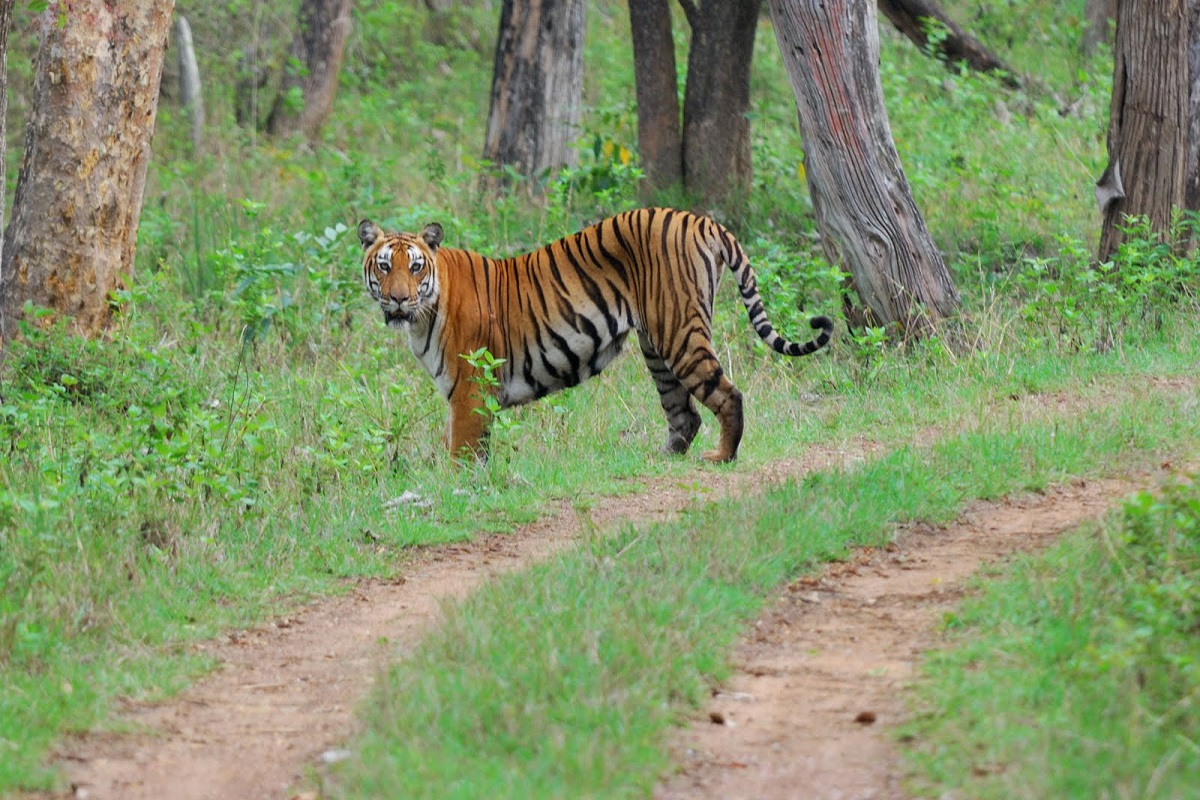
(1077, 672)
(562, 681)
(128, 535)
(229, 451)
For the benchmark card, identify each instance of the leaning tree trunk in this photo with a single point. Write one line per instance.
(317, 50)
(536, 87)
(911, 18)
(865, 211)
(1152, 167)
(716, 128)
(659, 139)
(87, 143)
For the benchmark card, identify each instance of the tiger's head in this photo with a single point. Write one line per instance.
(400, 271)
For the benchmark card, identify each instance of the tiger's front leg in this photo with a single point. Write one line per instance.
(467, 427)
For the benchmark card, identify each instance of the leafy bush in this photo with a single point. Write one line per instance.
(1088, 304)
(1155, 626)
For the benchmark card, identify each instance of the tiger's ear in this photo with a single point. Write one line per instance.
(368, 232)
(432, 235)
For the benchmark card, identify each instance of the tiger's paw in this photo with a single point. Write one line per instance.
(675, 445)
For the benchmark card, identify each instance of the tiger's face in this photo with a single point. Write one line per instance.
(400, 272)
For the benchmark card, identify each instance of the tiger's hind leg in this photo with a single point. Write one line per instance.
(683, 421)
(697, 369)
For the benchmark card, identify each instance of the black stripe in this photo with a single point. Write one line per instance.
(593, 291)
(572, 378)
(608, 257)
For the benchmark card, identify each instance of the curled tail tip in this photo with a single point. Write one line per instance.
(822, 324)
(825, 326)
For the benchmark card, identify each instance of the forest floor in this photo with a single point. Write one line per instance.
(815, 695)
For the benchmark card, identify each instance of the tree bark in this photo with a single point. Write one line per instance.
(716, 128)
(536, 87)
(87, 144)
(314, 64)
(865, 210)
(1152, 167)
(909, 17)
(190, 97)
(659, 138)
(6, 7)
(1191, 189)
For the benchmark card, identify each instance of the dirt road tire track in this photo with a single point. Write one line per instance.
(820, 676)
(286, 693)
(835, 646)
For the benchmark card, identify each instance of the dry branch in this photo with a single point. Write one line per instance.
(911, 18)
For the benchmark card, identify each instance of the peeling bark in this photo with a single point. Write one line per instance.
(87, 145)
(1151, 128)
(536, 86)
(865, 211)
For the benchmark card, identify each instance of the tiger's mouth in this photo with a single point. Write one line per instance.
(397, 318)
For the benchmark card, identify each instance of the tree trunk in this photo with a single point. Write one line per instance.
(659, 139)
(865, 211)
(6, 7)
(716, 129)
(536, 87)
(1151, 143)
(87, 144)
(190, 97)
(314, 64)
(1191, 189)
(1097, 14)
(258, 72)
(910, 18)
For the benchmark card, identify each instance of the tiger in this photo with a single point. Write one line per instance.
(561, 314)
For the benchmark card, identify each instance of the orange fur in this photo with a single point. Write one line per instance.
(560, 314)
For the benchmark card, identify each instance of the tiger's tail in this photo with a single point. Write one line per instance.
(739, 264)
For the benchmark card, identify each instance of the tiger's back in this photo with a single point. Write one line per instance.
(560, 314)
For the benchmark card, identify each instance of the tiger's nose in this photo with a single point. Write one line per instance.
(395, 299)
(396, 309)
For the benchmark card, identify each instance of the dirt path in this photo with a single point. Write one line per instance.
(820, 676)
(285, 694)
(818, 684)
